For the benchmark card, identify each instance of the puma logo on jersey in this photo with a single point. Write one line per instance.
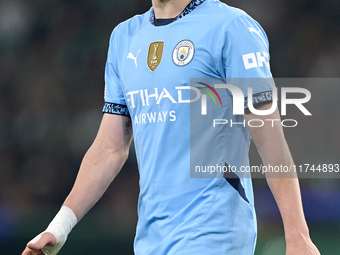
(131, 56)
(253, 30)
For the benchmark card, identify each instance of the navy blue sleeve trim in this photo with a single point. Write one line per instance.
(113, 108)
(260, 98)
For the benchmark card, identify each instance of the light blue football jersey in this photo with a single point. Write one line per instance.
(148, 77)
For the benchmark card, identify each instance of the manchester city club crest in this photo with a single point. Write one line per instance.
(183, 53)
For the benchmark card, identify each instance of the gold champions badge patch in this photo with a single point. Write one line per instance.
(155, 55)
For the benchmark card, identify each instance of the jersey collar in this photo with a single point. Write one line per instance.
(189, 8)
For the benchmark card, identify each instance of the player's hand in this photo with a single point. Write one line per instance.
(35, 246)
(300, 246)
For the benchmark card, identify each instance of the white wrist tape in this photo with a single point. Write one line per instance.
(60, 227)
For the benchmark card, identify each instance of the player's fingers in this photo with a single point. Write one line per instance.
(41, 241)
(28, 251)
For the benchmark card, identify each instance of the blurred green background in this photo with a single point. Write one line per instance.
(52, 58)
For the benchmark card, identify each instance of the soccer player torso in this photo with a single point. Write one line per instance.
(149, 70)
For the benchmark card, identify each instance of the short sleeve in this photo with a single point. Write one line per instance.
(246, 58)
(114, 97)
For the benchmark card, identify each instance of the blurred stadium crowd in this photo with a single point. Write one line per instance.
(52, 58)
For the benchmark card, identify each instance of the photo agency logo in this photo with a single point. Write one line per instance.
(250, 100)
(204, 97)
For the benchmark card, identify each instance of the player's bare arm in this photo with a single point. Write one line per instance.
(101, 163)
(273, 149)
(100, 166)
